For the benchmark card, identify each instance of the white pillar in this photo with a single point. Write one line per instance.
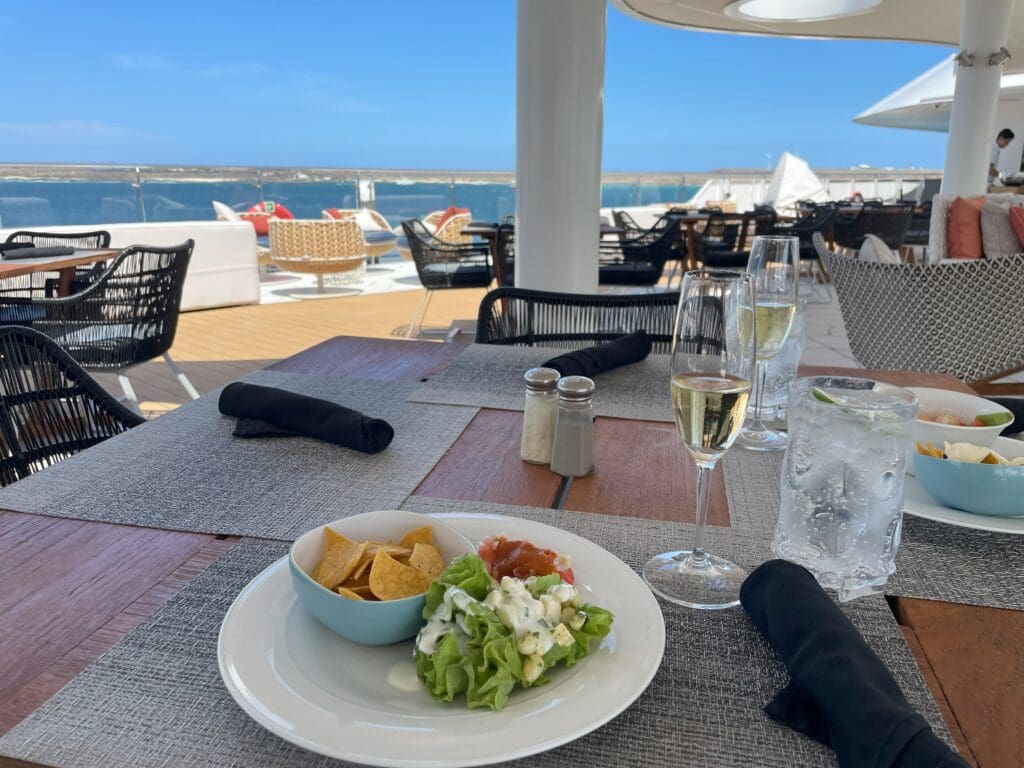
(559, 121)
(972, 129)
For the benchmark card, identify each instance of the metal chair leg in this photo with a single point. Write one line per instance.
(421, 313)
(182, 378)
(129, 393)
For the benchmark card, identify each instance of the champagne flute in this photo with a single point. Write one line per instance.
(774, 266)
(712, 365)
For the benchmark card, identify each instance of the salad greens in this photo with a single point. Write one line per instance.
(483, 638)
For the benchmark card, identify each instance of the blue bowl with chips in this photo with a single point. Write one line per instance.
(364, 621)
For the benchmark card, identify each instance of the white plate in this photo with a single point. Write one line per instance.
(918, 502)
(307, 685)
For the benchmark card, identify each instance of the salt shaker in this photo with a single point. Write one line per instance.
(539, 415)
(573, 452)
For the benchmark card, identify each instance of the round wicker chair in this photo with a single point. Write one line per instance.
(963, 318)
(318, 247)
(379, 242)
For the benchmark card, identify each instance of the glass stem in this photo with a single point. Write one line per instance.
(762, 378)
(704, 469)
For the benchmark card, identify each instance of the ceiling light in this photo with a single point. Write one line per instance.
(798, 10)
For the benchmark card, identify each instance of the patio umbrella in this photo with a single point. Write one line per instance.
(988, 32)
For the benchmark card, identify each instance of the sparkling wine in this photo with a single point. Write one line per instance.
(709, 411)
(774, 319)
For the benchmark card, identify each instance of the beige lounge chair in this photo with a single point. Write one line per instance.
(318, 247)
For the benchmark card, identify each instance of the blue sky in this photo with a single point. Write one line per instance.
(410, 84)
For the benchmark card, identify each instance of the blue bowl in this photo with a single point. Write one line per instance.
(983, 489)
(366, 622)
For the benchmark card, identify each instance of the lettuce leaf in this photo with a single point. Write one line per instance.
(467, 572)
(541, 584)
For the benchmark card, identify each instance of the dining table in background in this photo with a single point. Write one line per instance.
(488, 232)
(73, 588)
(64, 266)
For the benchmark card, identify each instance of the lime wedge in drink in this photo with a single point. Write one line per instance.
(822, 396)
(994, 419)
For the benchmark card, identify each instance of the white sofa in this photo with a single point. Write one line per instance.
(223, 271)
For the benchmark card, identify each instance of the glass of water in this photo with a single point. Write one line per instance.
(781, 370)
(842, 481)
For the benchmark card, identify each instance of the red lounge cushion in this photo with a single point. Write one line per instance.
(335, 213)
(963, 231)
(259, 221)
(450, 212)
(1017, 221)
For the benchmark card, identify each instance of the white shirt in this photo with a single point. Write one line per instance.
(993, 158)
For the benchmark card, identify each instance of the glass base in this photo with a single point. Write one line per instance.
(762, 440)
(710, 584)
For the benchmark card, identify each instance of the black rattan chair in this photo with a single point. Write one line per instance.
(638, 260)
(717, 245)
(524, 318)
(889, 222)
(41, 283)
(918, 228)
(50, 408)
(820, 219)
(127, 316)
(504, 256)
(442, 265)
(626, 222)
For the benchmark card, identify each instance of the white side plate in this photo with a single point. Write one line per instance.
(307, 685)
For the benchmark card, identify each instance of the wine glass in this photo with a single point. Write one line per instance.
(712, 366)
(774, 266)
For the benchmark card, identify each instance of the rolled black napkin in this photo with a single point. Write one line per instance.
(32, 252)
(272, 412)
(1016, 406)
(15, 246)
(631, 348)
(840, 692)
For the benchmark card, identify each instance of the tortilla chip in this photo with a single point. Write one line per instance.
(422, 535)
(338, 563)
(333, 539)
(390, 580)
(427, 559)
(364, 592)
(350, 594)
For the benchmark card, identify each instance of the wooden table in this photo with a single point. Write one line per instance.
(71, 588)
(63, 265)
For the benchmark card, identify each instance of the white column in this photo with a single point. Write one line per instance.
(972, 128)
(559, 120)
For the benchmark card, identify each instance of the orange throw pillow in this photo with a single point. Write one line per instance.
(1017, 221)
(963, 230)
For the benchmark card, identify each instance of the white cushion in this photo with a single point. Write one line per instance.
(366, 221)
(876, 251)
(937, 247)
(998, 237)
(224, 212)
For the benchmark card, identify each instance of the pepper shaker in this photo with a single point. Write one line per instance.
(573, 452)
(539, 415)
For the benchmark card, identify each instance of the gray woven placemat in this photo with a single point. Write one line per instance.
(156, 699)
(185, 471)
(935, 561)
(490, 376)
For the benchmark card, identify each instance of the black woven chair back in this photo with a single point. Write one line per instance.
(920, 222)
(97, 239)
(440, 264)
(720, 231)
(639, 260)
(504, 257)
(524, 318)
(50, 408)
(888, 222)
(128, 315)
(624, 221)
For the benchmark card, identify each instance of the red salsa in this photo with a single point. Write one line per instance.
(521, 559)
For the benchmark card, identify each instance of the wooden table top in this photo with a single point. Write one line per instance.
(63, 604)
(80, 258)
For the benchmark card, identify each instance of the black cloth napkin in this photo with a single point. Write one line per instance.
(31, 252)
(15, 246)
(1016, 406)
(631, 348)
(272, 412)
(840, 692)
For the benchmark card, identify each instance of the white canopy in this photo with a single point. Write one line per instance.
(793, 180)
